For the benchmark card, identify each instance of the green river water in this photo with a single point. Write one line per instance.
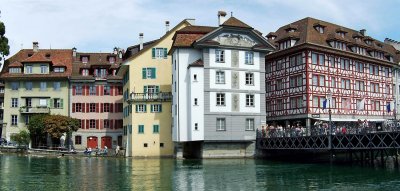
(80, 173)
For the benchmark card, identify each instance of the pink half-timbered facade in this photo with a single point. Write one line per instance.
(317, 60)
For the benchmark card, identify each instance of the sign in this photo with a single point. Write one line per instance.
(315, 115)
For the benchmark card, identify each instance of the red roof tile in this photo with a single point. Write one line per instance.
(15, 64)
(234, 22)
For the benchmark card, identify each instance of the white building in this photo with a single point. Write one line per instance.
(218, 88)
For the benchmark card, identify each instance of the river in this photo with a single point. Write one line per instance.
(79, 173)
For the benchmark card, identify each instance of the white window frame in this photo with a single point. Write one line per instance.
(14, 102)
(43, 102)
(43, 69)
(219, 55)
(221, 124)
(14, 120)
(156, 108)
(140, 108)
(220, 77)
(43, 86)
(250, 79)
(220, 99)
(250, 100)
(159, 53)
(249, 58)
(29, 69)
(249, 124)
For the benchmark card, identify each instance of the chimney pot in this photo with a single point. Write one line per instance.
(166, 26)
(115, 50)
(35, 46)
(363, 32)
(141, 41)
(74, 52)
(221, 17)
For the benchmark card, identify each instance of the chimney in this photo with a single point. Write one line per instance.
(167, 26)
(363, 32)
(141, 41)
(120, 53)
(115, 50)
(221, 17)
(191, 21)
(35, 46)
(74, 52)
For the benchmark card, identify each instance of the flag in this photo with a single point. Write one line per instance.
(324, 104)
(360, 105)
(388, 107)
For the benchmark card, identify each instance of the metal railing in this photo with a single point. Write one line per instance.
(162, 96)
(33, 110)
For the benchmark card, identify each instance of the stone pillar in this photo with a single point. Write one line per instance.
(308, 126)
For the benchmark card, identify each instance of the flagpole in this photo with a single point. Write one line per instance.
(330, 119)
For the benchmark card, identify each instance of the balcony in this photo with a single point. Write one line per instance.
(162, 96)
(34, 110)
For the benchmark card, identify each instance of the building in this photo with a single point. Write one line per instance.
(147, 96)
(316, 60)
(396, 76)
(1, 107)
(218, 88)
(36, 82)
(96, 99)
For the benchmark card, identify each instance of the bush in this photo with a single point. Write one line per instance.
(22, 138)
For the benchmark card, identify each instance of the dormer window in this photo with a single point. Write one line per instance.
(47, 55)
(84, 59)
(359, 50)
(59, 69)
(357, 39)
(369, 42)
(291, 30)
(339, 45)
(15, 70)
(85, 72)
(341, 33)
(379, 55)
(29, 55)
(379, 45)
(320, 29)
(287, 44)
(111, 60)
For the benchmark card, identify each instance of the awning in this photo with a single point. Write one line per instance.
(347, 119)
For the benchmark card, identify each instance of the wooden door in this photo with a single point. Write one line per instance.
(92, 142)
(106, 141)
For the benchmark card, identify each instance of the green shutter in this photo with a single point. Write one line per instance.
(145, 108)
(136, 108)
(160, 107)
(153, 73)
(145, 89)
(157, 89)
(143, 73)
(156, 129)
(165, 53)
(62, 103)
(153, 53)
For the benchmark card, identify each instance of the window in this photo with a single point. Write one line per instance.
(320, 29)
(339, 45)
(279, 104)
(106, 124)
(78, 107)
(386, 72)
(249, 100)
(287, 44)
(376, 105)
(220, 77)
(85, 72)
(359, 85)
(219, 55)
(43, 102)
(58, 103)
(56, 86)
(220, 99)
(28, 86)
(141, 129)
(43, 86)
(249, 57)
(78, 140)
(269, 106)
(43, 69)
(387, 89)
(318, 59)
(196, 126)
(28, 102)
(250, 79)
(331, 61)
(156, 128)
(29, 69)
(156, 108)
(359, 67)
(375, 87)
(333, 82)
(296, 102)
(344, 64)
(92, 124)
(345, 84)
(295, 81)
(195, 101)
(268, 68)
(318, 80)
(100, 73)
(14, 120)
(92, 90)
(145, 145)
(107, 90)
(373, 70)
(14, 102)
(78, 90)
(296, 60)
(279, 84)
(268, 86)
(85, 59)
(195, 77)
(15, 70)
(315, 101)
(280, 64)
(346, 103)
(249, 124)
(14, 85)
(221, 124)
(141, 108)
(148, 73)
(159, 53)
(59, 70)
(92, 107)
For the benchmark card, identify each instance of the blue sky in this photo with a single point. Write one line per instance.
(98, 26)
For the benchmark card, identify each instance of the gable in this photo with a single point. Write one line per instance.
(235, 39)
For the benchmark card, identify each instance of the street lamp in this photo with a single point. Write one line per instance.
(330, 118)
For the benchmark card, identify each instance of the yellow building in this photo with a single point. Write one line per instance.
(147, 96)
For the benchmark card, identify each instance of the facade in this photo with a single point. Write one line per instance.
(1, 107)
(316, 60)
(147, 97)
(96, 99)
(396, 76)
(36, 82)
(218, 89)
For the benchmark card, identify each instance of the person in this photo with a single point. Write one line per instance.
(97, 150)
(116, 150)
(105, 151)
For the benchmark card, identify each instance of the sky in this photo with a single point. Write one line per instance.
(101, 25)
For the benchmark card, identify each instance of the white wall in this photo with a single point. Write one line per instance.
(226, 64)
(228, 103)
(196, 112)
(255, 66)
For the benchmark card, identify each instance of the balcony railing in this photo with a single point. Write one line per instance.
(162, 96)
(34, 110)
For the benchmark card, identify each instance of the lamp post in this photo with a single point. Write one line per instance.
(330, 118)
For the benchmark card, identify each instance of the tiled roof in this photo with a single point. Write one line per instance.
(95, 60)
(56, 57)
(186, 36)
(306, 33)
(197, 63)
(133, 50)
(234, 22)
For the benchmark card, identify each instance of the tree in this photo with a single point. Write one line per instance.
(36, 128)
(57, 125)
(4, 47)
(22, 138)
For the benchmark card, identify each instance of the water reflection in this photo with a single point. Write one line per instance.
(70, 173)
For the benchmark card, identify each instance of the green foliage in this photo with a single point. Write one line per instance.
(22, 138)
(57, 125)
(36, 124)
(4, 47)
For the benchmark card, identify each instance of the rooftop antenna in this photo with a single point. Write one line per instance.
(231, 14)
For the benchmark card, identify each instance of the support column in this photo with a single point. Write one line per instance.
(308, 126)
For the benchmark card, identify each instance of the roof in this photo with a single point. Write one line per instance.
(234, 22)
(95, 60)
(187, 35)
(197, 63)
(306, 33)
(133, 50)
(55, 57)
